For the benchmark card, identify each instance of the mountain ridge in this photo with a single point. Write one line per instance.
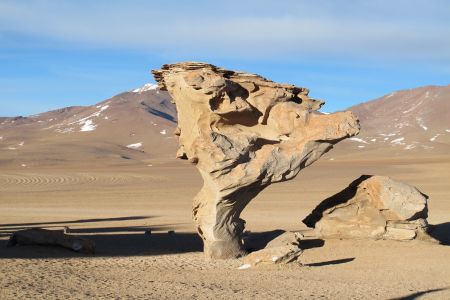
(137, 125)
(411, 120)
(103, 131)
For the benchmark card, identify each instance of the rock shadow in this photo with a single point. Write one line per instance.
(109, 241)
(112, 245)
(129, 218)
(440, 232)
(331, 262)
(311, 243)
(254, 241)
(339, 198)
(416, 295)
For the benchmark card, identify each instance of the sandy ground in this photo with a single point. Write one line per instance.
(114, 206)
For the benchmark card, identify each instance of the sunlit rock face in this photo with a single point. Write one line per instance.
(243, 132)
(372, 207)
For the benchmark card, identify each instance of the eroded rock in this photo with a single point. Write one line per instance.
(283, 249)
(375, 207)
(44, 237)
(273, 255)
(243, 132)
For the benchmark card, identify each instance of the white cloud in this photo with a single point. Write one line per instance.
(378, 29)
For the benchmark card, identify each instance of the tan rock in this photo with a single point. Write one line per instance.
(243, 132)
(282, 249)
(273, 255)
(393, 233)
(285, 239)
(374, 207)
(38, 236)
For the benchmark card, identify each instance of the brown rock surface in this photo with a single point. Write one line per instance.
(243, 132)
(374, 207)
(283, 249)
(44, 237)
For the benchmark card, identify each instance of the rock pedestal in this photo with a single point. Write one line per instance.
(243, 132)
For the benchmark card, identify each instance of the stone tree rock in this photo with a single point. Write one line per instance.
(374, 207)
(243, 132)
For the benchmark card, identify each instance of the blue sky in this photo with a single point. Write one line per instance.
(61, 53)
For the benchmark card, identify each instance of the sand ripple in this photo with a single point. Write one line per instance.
(15, 181)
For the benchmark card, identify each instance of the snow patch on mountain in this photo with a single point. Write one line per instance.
(95, 114)
(401, 125)
(146, 87)
(134, 146)
(358, 140)
(390, 95)
(65, 130)
(421, 123)
(413, 108)
(88, 125)
(102, 108)
(398, 141)
(434, 137)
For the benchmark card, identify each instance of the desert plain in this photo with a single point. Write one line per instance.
(115, 204)
(224, 150)
(108, 172)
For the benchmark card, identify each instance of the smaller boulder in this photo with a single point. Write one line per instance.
(375, 207)
(283, 249)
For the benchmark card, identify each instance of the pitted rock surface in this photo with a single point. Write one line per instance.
(243, 132)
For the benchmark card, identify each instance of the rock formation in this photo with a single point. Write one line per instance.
(38, 236)
(374, 207)
(243, 132)
(281, 250)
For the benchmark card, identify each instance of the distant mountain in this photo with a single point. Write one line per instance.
(403, 122)
(135, 125)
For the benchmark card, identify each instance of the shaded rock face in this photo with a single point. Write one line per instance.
(375, 207)
(38, 236)
(243, 132)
